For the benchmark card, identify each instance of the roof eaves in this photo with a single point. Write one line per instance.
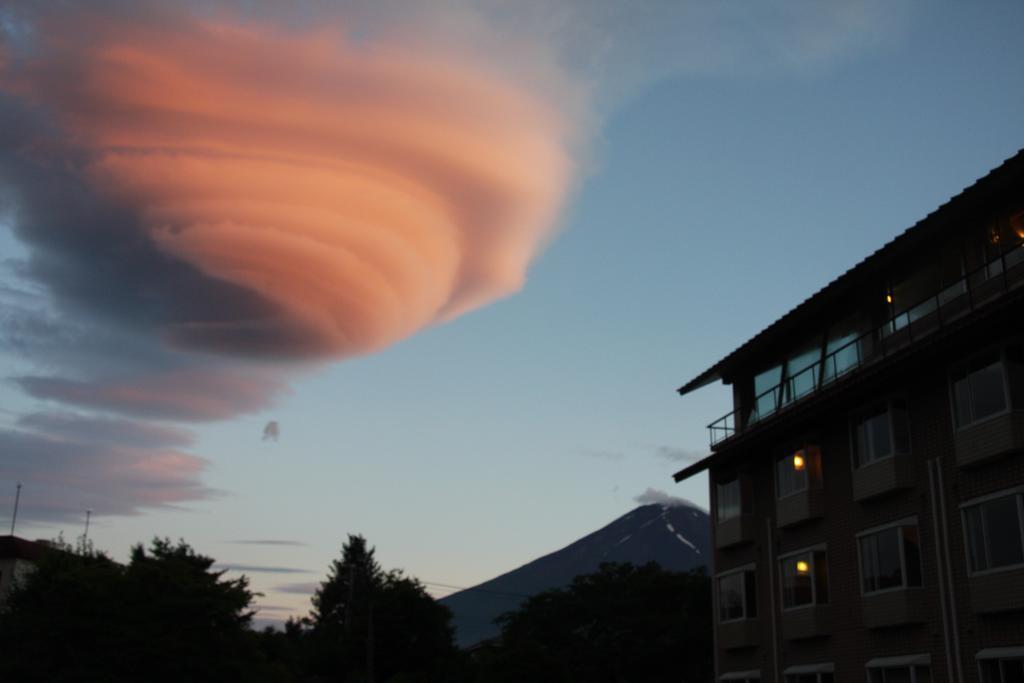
(716, 370)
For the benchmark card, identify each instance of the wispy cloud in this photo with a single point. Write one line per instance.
(653, 496)
(680, 455)
(304, 588)
(62, 477)
(269, 542)
(260, 569)
(599, 454)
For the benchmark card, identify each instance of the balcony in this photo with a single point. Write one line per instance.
(807, 622)
(998, 591)
(973, 291)
(882, 476)
(734, 635)
(798, 507)
(989, 439)
(735, 531)
(895, 608)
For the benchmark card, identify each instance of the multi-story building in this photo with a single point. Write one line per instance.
(868, 486)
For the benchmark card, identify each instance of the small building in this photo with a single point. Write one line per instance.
(867, 487)
(18, 558)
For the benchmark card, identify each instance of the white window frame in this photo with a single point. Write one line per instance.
(857, 417)
(1017, 491)
(1005, 374)
(999, 655)
(899, 524)
(912, 668)
(816, 670)
(813, 572)
(751, 568)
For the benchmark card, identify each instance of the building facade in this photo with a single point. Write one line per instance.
(867, 489)
(18, 559)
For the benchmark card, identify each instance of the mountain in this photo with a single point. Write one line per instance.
(676, 537)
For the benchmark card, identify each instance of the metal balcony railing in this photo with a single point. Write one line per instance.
(975, 289)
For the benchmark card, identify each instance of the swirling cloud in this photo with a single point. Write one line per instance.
(359, 193)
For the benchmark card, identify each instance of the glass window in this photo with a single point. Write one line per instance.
(802, 372)
(900, 674)
(823, 677)
(728, 500)
(872, 439)
(737, 596)
(978, 390)
(1015, 374)
(767, 391)
(890, 558)
(792, 472)
(842, 351)
(804, 579)
(994, 533)
(900, 426)
(1010, 670)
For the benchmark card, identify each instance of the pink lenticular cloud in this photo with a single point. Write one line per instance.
(364, 192)
(191, 394)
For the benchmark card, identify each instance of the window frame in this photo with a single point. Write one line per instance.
(1018, 493)
(810, 550)
(898, 524)
(998, 662)
(812, 469)
(955, 369)
(911, 668)
(745, 569)
(859, 416)
(819, 670)
(740, 484)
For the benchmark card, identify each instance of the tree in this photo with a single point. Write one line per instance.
(372, 625)
(619, 624)
(164, 616)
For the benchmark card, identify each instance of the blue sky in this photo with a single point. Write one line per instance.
(713, 196)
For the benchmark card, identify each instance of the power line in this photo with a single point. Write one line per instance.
(504, 594)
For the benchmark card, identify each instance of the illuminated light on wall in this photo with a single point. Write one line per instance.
(888, 298)
(802, 567)
(798, 462)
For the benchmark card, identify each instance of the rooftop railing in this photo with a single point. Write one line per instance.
(975, 289)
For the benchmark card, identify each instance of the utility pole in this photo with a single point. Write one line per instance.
(85, 536)
(17, 499)
(369, 642)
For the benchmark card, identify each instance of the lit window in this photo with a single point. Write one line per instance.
(890, 558)
(795, 471)
(804, 579)
(979, 389)
(994, 532)
(1006, 670)
(737, 596)
(880, 432)
(900, 674)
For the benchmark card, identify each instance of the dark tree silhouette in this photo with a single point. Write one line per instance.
(622, 624)
(165, 616)
(372, 625)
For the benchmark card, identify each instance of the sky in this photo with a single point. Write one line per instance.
(432, 272)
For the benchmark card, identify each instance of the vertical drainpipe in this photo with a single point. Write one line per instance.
(942, 579)
(776, 675)
(713, 499)
(949, 572)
